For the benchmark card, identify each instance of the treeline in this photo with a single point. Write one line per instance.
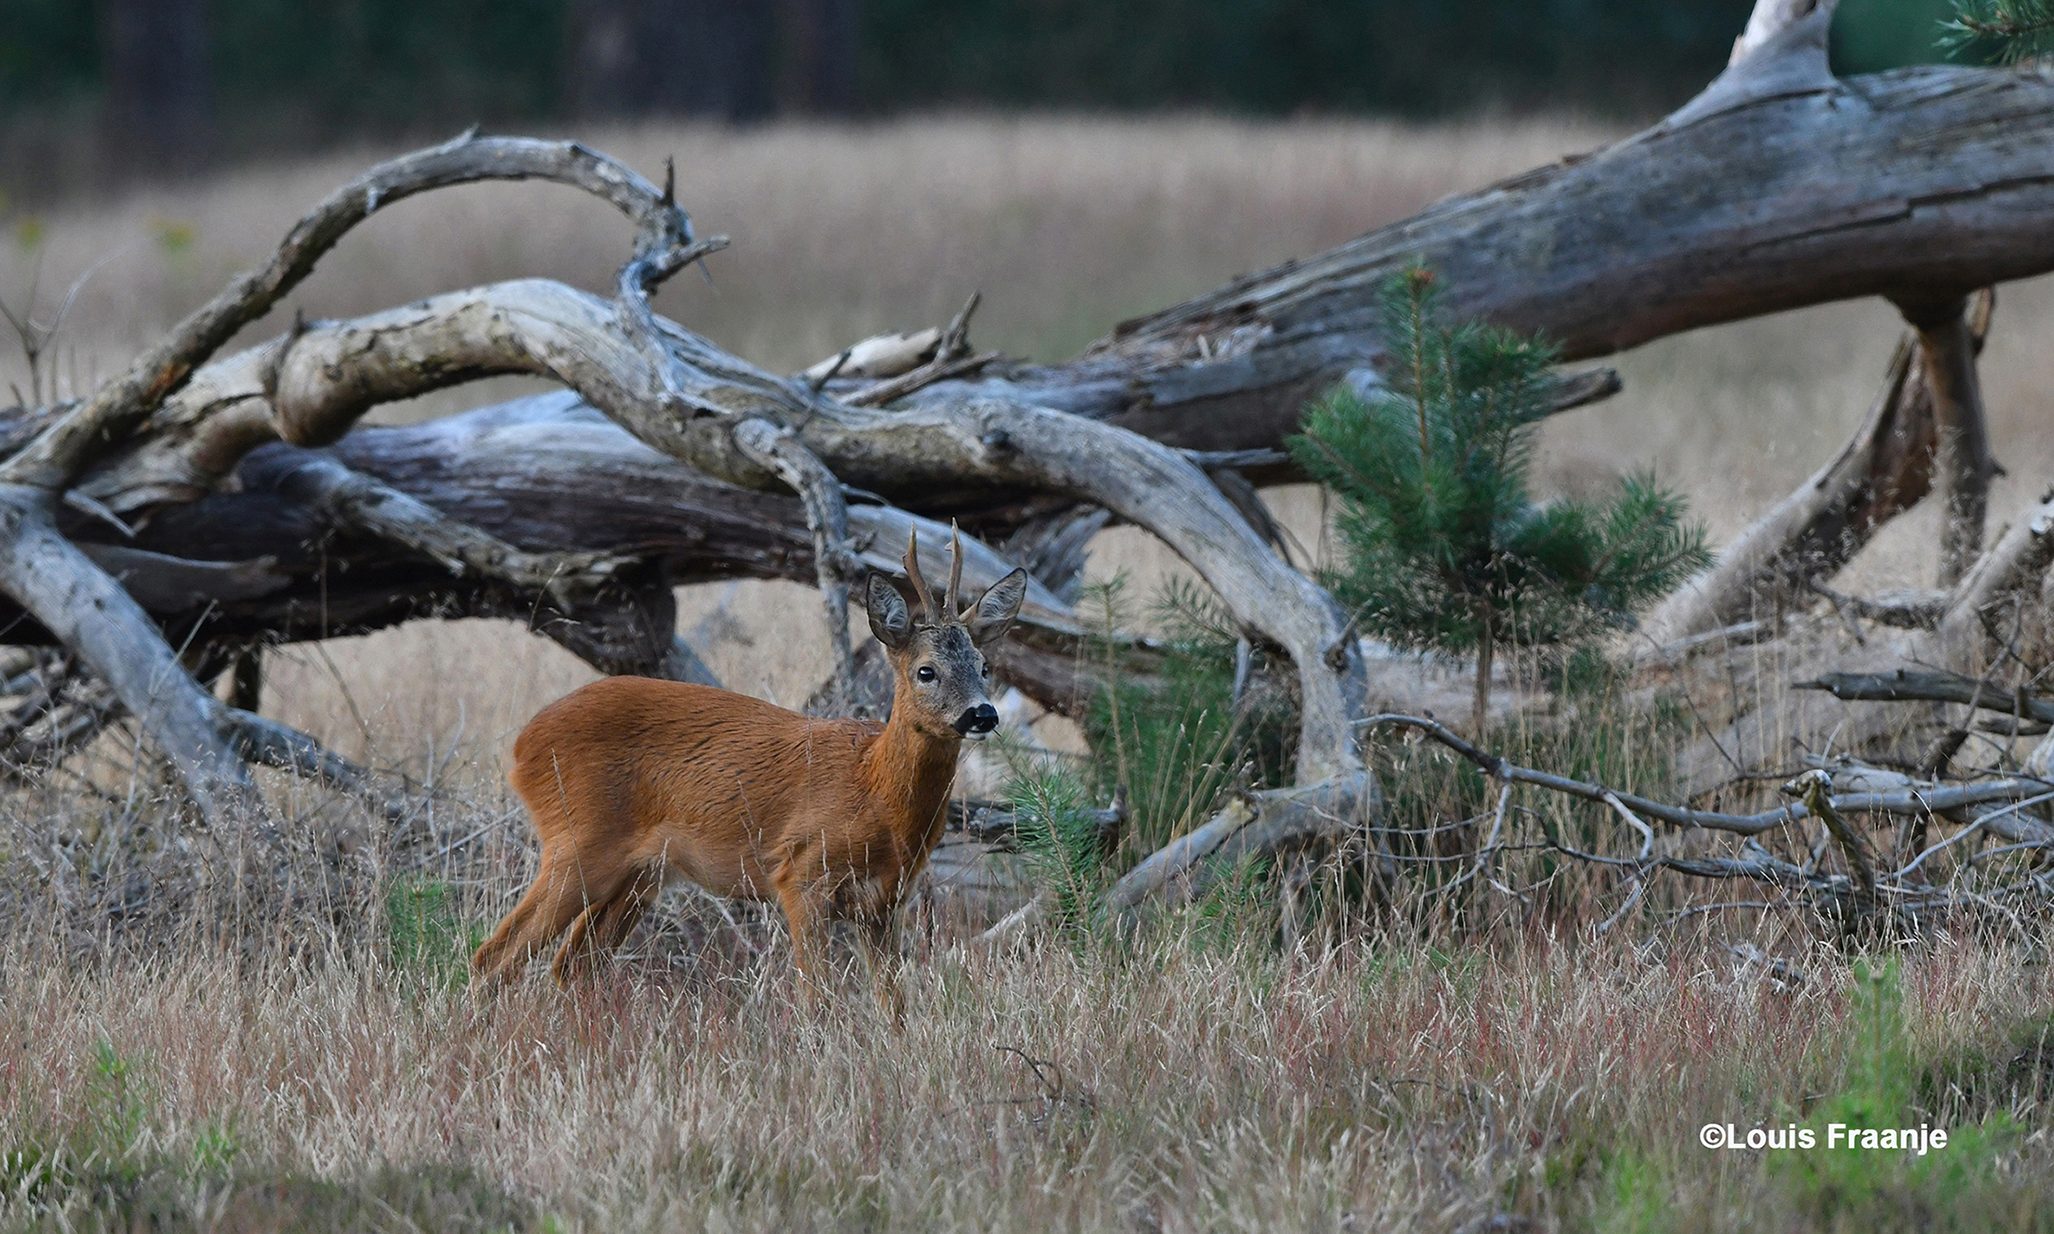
(166, 84)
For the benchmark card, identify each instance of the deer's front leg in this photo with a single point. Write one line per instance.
(807, 913)
(880, 934)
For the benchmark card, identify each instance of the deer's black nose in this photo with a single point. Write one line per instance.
(981, 719)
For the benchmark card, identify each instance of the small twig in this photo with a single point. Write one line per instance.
(816, 385)
(926, 375)
(1638, 882)
(1490, 843)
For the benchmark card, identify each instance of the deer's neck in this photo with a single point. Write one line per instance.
(908, 774)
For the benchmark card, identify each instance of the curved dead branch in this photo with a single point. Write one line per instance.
(105, 420)
(827, 516)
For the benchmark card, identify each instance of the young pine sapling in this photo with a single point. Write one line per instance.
(1442, 548)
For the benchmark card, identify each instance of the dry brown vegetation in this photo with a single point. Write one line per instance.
(269, 1030)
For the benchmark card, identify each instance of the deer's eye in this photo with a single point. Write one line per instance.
(926, 672)
(984, 671)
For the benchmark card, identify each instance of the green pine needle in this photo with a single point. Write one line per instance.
(2019, 29)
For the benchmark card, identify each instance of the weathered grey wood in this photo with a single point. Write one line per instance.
(1885, 469)
(1908, 685)
(2011, 825)
(1947, 349)
(46, 574)
(703, 394)
(90, 613)
(2003, 576)
(1769, 19)
(103, 421)
(1898, 800)
(1250, 825)
(266, 741)
(352, 499)
(827, 518)
(1914, 184)
(551, 476)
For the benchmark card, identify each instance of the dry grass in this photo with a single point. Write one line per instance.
(1197, 1080)
(255, 1032)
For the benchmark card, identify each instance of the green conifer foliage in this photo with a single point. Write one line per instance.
(1443, 549)
(2014, 30)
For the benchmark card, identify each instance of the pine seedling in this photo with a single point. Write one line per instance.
(1442, 547)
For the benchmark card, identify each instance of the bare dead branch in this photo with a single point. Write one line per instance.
(1252, 824)
(118, 407)
(355, 500)
(827, 516)
(262, 740)
(1905, 799)
(1947, 348)
(1906, 685)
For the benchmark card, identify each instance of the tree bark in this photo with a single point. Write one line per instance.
(90, 613)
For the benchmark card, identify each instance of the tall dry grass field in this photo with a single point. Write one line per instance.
(268, 1030)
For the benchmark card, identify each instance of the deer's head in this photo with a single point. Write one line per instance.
(936, 656)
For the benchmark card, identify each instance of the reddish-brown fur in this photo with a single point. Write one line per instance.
(631, 782)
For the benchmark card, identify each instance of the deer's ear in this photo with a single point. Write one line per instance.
(890, 620)
(995, 612)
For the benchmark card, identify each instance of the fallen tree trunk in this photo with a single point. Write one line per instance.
(1780, 186)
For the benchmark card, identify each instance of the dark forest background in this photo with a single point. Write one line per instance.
(125, 87)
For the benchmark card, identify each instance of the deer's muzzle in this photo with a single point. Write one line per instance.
(978, 721)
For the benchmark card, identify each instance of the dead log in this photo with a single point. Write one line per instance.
(540, 481)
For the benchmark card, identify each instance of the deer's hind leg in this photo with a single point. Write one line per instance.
(605, 925)
(563, 890)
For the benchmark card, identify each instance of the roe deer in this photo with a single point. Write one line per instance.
(631, 782)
